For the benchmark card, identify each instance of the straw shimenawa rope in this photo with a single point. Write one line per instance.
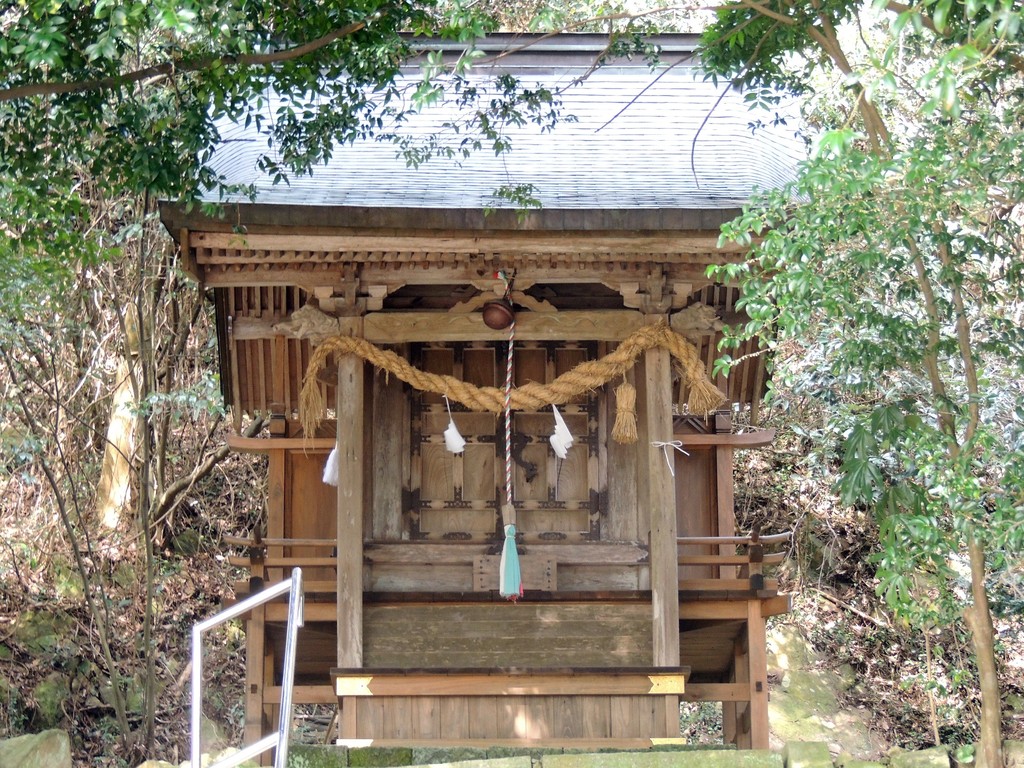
(624, 431)
(703, 398)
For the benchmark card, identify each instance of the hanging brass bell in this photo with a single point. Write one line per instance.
(498, 314)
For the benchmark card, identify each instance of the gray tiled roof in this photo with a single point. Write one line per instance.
(643, 140)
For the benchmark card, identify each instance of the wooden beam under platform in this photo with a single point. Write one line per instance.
(733, 609)
(519, 682)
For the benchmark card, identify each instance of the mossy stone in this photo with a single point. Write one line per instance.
(847, 760)
(49, 749)
(522, 761)
(1013, 753)
(317, 756)
(935, 757)
(749, 758)
(497, 753)
(66, 580)
(806, 754)
(49, 697)
(42, 632)
(788, 649)
(436, 755)
(379, 757)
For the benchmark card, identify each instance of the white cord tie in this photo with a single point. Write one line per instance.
(665, 445)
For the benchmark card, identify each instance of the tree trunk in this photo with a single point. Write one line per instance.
(113, 494)
(979, 621)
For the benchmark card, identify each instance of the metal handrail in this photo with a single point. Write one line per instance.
(293, 589)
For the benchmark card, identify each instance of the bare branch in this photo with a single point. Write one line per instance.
(646, 88)
(173, 493)
(171, 68)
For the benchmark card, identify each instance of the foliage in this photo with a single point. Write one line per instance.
(875, 265)
(898, 255)
(141, 85)
(880, 67)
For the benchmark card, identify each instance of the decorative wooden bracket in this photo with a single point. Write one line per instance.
(491, 289)
(653, 296)
(375, 295)
(350, 297)
(341, 299)
(695, 321)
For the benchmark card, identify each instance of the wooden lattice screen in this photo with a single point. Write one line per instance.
(458, 496)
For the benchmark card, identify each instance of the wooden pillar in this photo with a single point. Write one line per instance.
(724, 494)
(657, 491)
(255, 682)
(757, 657)
(351, 447)
(277, 495)
(389, 454)
(728, 722)
(740, 714)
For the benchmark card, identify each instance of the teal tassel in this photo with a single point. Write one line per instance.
(511, 579)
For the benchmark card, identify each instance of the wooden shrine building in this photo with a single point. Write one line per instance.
(639, 592)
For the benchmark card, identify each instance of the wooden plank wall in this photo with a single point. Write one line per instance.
(513, 719)
(450, 567)
(483, 635)
(311, 503)
(747, 381)
(265, 370)
(696, 506)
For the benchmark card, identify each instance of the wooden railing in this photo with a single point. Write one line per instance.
(740, 561)
(265, 565)
(734, 564)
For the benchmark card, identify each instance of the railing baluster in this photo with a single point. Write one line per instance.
(293, 588)
(751, 560)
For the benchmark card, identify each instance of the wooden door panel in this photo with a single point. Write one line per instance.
(480, 482)
(460, 495)
(438, 481)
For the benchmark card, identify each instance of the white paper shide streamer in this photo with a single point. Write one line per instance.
(331, 468)
(561, 440)
(453, 439)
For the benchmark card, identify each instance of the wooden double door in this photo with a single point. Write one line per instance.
(460, 496)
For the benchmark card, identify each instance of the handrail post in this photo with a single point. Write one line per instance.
(196, 725)
(293, 588)
(295, 605)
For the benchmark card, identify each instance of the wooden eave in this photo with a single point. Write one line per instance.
(260, 218)
(255, 247)
(418, 274)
